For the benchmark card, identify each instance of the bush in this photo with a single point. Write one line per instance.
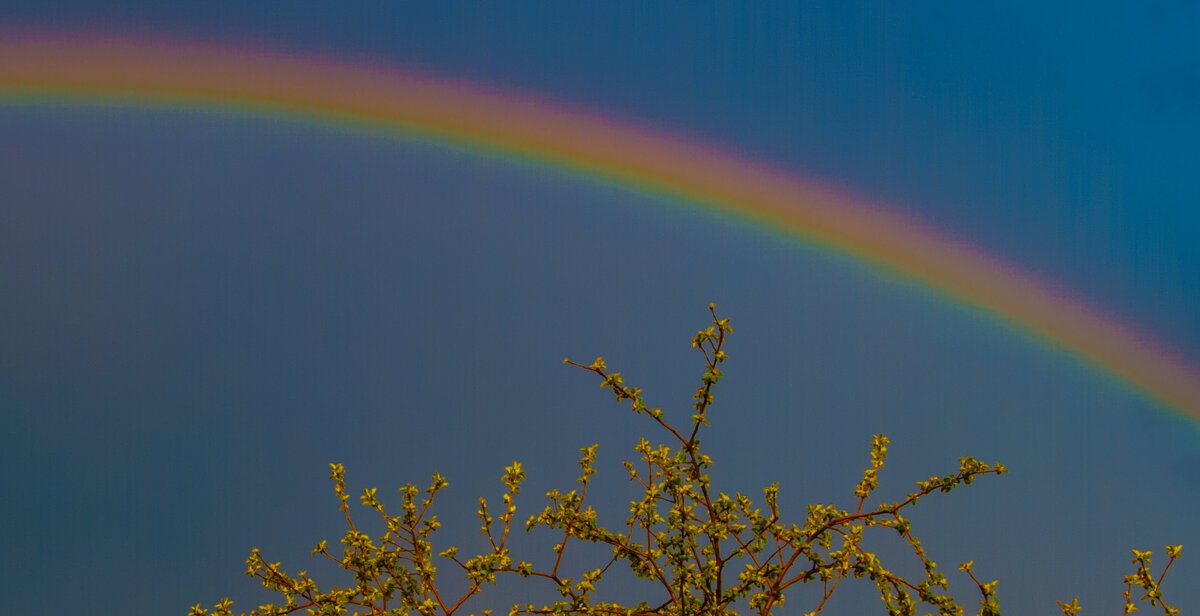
(709, 552)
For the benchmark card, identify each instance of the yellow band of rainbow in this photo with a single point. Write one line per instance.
(142, 72)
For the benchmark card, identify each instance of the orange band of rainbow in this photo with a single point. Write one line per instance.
(128, 71)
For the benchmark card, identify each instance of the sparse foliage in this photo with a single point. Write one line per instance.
(709, 552)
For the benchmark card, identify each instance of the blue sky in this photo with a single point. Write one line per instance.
(204, 309)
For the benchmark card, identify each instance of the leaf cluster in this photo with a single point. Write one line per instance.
(708, 552)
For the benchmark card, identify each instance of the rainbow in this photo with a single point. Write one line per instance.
(141, 72)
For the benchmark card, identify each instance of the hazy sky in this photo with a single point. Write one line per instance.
(202, 309)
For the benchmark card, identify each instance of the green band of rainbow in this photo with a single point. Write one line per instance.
(130, 71)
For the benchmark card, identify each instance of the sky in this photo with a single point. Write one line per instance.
(205, 306)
